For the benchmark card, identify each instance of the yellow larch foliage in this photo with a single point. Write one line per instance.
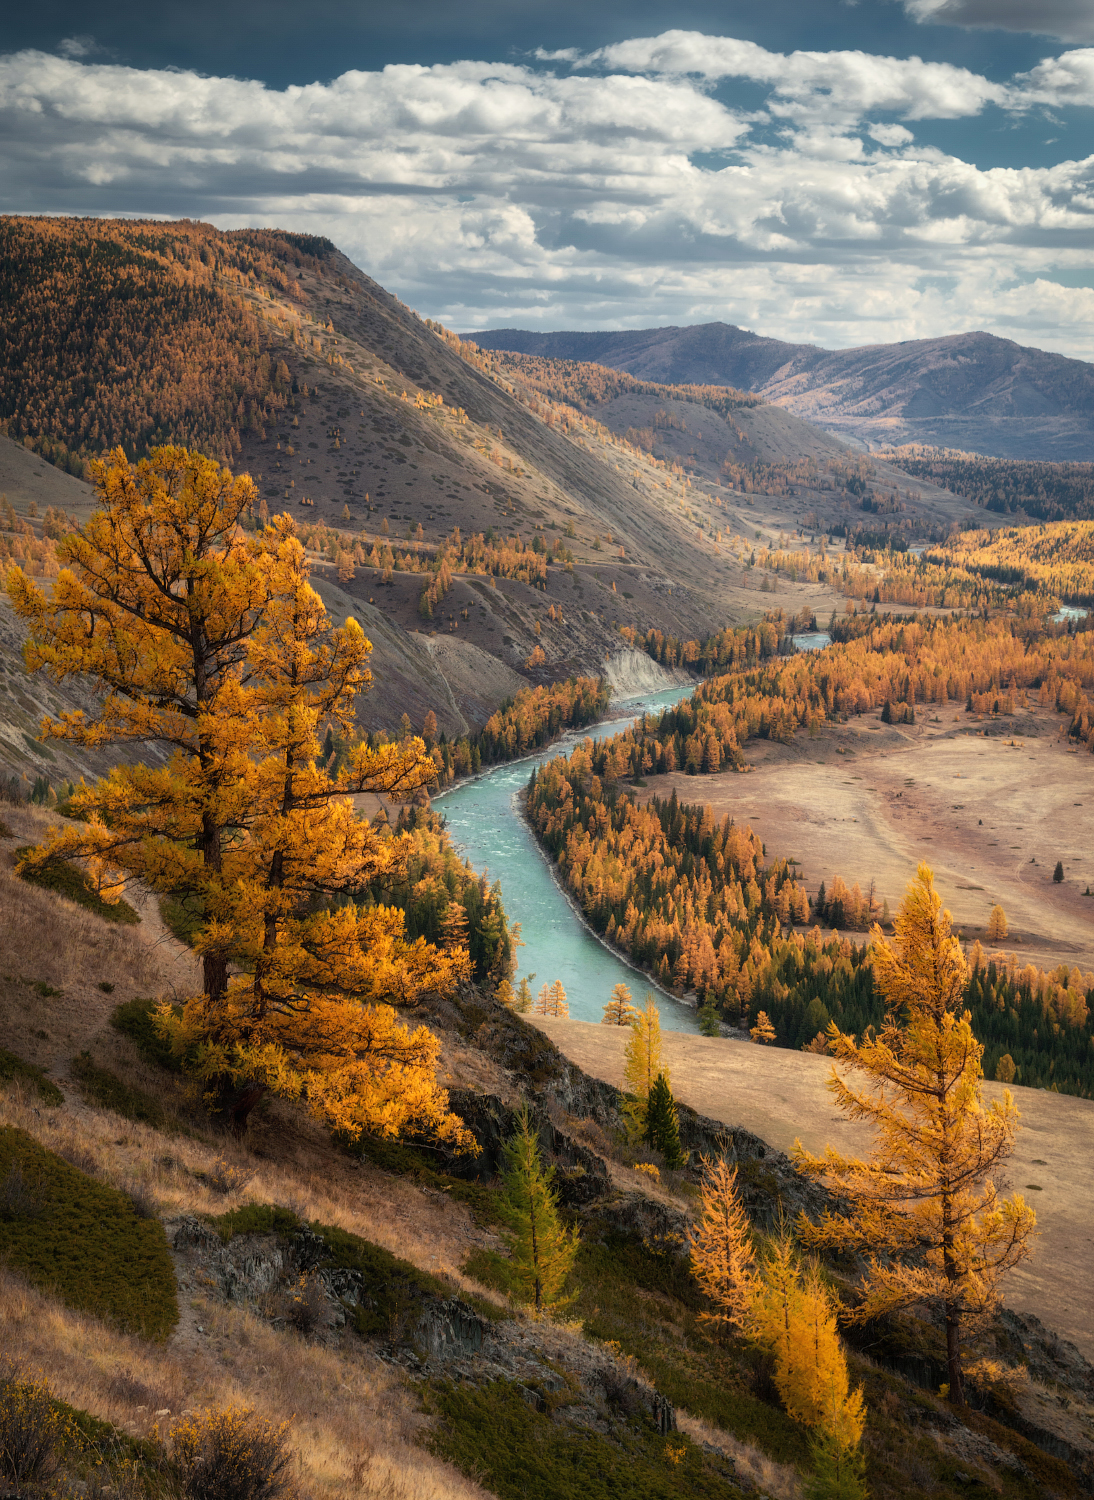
(559, 1005)
(619, 1010)
(722, 1258)
(763, 1031)
(998, 927)
(926, 1209)
(642, 1061)
(213, 644)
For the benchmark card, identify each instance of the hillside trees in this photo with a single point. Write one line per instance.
(926, 1210)
(783, 1307)
(139, 316)
(642, 1061)
(211, 646)
(619, 1010)
(543, 1252)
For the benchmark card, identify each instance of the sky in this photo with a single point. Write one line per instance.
(839, 172)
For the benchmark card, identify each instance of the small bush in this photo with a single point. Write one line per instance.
(20, 1198)
(224, 1178)
(5, 831)
(12, 1067)
(142, 1198)
(101, 1086)
(66, 880)
(305, 1305)
(136, 1020)
(33, 1431)
(230, 1455)
(88, 1246)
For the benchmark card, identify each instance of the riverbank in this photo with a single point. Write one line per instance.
(486, 828)
(782, 1096)
(644, 978)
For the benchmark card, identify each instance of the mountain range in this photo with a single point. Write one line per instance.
(968, 391)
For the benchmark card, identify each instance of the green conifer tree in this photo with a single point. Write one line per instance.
(662, 1126)
(543, 1252)
(839, 1470)
(709, 1023)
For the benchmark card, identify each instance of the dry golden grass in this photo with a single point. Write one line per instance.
(308, 1176)
(354, 1423)
(780, 1480)
(46, 939)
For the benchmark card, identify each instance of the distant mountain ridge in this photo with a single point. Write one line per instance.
(971, 391)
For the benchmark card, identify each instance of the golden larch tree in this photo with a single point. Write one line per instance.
(558, 1005)
(642, 1061)
(763, 1031)
(925, 1208)
(619, 1010)
(998, 926)
(722, 1257)
(784, 1308)
(211, 644)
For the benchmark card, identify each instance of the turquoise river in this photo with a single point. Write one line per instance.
(485, 823)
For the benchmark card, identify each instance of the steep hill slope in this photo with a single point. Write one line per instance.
(393, 441)
(970, 391)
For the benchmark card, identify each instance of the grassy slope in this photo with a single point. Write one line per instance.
(642, 1303)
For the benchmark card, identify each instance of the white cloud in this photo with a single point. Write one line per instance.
(492, 194)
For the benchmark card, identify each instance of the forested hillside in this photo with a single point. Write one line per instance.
(1005, 486)
(119, 334)
(701, 905)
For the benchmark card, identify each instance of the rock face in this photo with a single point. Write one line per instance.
(769, 1182)
(442, 1336)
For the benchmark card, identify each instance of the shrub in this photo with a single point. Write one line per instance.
(230, 1455)
(256, 1218)
(19, 1198)
(33, 1431)
(305, 1305)
(223, 1178)
(12, 1067)
(66, 880)
(136, 1020)
(102, 1087)
(494, 1434)
(87, 1246)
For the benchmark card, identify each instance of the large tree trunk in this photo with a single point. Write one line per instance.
(238, 1106)
(953, 1357)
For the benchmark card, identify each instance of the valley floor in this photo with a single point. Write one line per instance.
(991, 806)
(781, 1096)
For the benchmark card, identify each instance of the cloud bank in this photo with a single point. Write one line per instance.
(676, 178)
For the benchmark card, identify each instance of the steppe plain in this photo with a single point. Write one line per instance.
(990, 806)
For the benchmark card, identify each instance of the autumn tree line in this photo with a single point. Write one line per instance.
(127, 334)
(1056, 559)
(699, 905)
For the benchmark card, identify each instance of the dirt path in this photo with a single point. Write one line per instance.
(991, 815)
(781, 1096)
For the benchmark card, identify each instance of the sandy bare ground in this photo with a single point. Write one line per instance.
(990, 814)
(781, 1097)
